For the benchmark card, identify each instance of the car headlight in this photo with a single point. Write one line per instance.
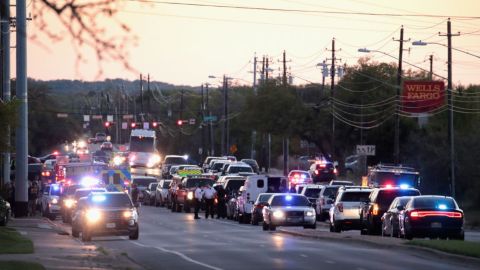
(93, 215)
(309, 213)
(190, 195)
(54, 200)
(69, 203)
(117, 160)
(278, 214)
(127, 214)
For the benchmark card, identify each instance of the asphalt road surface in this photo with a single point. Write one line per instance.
(177, 241)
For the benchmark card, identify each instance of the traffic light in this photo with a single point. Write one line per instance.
(154, 124)
(107, 124)
(133, 125)
(179, 122)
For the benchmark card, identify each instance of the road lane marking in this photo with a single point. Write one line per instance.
(303, 255)
(181, 255)
(330, 262)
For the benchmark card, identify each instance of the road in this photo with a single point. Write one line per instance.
(177, 241)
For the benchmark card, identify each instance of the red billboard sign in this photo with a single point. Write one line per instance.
(422, 96)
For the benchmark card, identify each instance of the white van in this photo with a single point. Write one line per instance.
(254, 185)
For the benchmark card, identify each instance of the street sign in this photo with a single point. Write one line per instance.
(191, 121)
(86, 118)
(210, 118)
(366, 150)
(124, 125)
(233, 149)
(62, 115)
(97, 117)
(146, 125)
(109, 118)
(127, 116)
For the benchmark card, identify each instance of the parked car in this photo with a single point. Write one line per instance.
(108, 213)
(100, 137)
(206, 163)
(172, 160)
(106, 146)
(238, 168)
(260, 202)
(142, 183)
(432, 216)
(48, 171)
(50, 201)
(149, 193)
(341, 183)
(161, 194)
(288, 209)
(252, 163)
(378, 203)
(344, 213)
(312, 192)
(390, 219)
(5, 211)
(325, 200)
(67, 202)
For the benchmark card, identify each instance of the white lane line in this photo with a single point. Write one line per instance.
(181, 255)
(303, 255)
(360, 268)
(330, 262)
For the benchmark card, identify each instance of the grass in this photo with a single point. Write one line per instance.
(17, 265)
(466, 248)
(102, 250)
(11, 242)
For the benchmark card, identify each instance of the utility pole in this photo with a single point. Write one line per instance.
(141, 96)
(254, 132)
(451, 129)
(6, 92)
(332, 94)
(225, 114)
(21, 162)
(148, 93)
(285, 138)
(210, 130)
(266, 69)
(397, 111)
(181, 118)
(430, 75)
(262, 77)
(202, 111)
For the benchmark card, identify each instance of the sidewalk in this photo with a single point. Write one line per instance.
(56, 249)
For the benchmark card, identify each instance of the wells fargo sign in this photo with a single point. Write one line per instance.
(422, 96)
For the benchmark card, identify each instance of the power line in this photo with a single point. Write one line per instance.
(302, 10)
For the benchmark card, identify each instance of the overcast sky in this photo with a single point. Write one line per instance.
(184, 45)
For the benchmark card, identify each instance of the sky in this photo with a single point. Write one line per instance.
(185, 44)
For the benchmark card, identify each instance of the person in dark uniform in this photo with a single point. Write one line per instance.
(32, 198)
(221, 207)
(198, 200)
(134, 193)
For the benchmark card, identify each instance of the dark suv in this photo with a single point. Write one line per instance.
(107, 213)
(323, 171)
(377, 204)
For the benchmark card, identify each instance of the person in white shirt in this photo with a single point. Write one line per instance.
(198, 200)
(209, 196)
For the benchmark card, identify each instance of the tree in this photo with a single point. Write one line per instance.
(85, 22)
(7, 118)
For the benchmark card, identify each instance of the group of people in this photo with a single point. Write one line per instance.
(208, 194)
(33, 195)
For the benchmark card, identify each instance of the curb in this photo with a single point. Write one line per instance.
(460, 258)
(57, 227)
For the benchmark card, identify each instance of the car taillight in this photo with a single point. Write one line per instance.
(43, 173)
(420, 214)
(323, 165)
(340, 207)
(47, 173)
(375, 209)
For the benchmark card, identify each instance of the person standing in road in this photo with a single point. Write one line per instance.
(134, 193)
(198, 200)
(209, 195)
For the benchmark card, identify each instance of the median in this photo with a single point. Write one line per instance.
(465, 248)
